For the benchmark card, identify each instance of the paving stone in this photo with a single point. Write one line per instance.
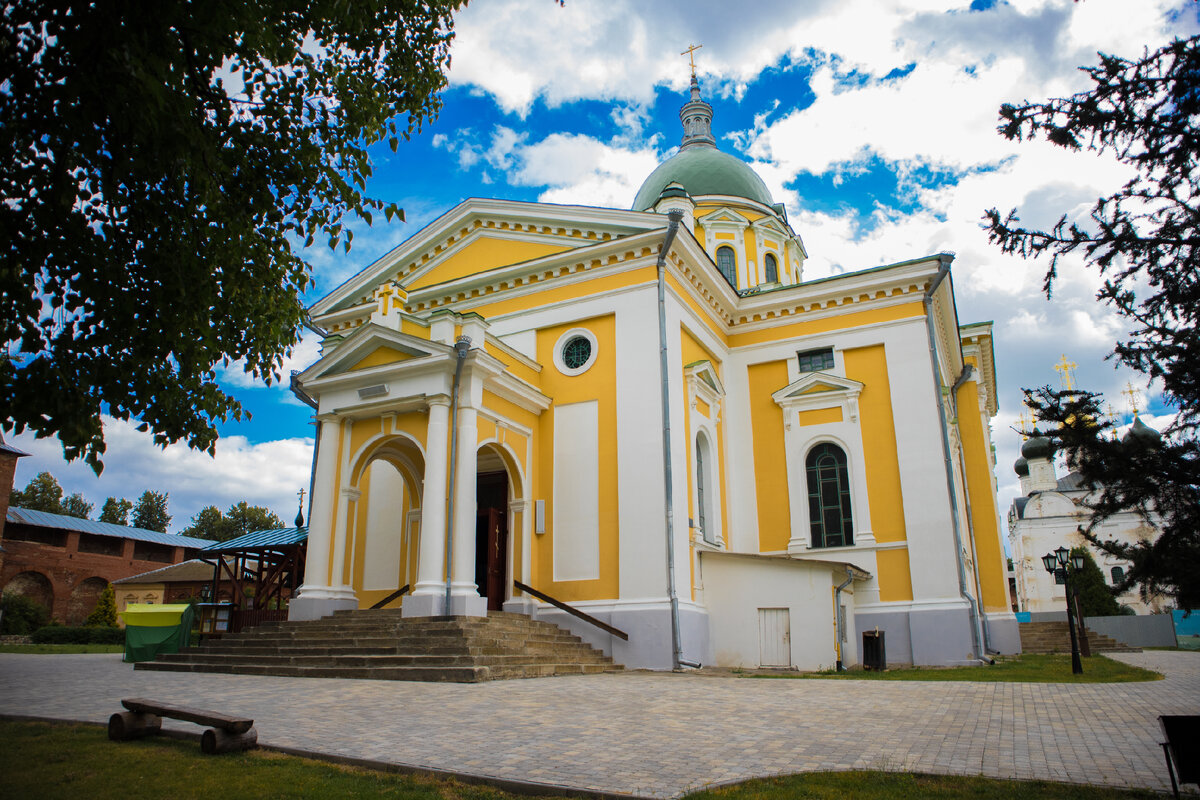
(656, 734)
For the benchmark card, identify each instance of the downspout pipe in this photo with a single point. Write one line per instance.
(674, 217)
(837, 616)
(943, 272)
(967, 373)
(461, 345)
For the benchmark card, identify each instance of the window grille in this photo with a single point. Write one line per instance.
(727, 264)
(829, 497)
(772, 268)
(816, 360)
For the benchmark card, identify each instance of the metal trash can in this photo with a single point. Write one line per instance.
(873, 654)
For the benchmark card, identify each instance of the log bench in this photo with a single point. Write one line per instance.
(225, 734)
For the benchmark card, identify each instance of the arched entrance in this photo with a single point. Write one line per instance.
(35, 586)
(493, 491)
(383, 527)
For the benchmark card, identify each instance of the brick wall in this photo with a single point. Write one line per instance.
(68, 574)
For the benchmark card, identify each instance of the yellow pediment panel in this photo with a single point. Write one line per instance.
(380, 356)
(484, 253)
(819, 387)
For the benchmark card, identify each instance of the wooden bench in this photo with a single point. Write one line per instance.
(1182, 747)
(225, 734)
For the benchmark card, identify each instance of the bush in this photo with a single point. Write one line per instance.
(22, 615)
(62, 635)
(104, 615)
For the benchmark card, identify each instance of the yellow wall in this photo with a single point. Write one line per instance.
(598, 383)
(989, 553)
(831, 323)
(486, 252)
(868, 365)
(770, 475)
(380, 356)
(820, 416)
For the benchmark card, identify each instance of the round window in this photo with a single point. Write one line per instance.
(576, 352)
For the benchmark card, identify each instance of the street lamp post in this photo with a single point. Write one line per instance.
(1053, 562)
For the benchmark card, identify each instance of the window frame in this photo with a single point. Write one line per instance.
(730, 276)
(565, 339)
(828, 361)
(818, 507)
(770, 268)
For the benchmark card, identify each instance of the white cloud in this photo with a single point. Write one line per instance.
(267, 473)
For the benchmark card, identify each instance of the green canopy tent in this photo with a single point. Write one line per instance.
(151, 629)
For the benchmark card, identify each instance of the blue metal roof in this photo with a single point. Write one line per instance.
(261, 540)
(44, 519)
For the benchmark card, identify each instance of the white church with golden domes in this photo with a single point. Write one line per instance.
(649, 415)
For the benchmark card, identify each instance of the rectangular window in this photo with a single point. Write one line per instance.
(816, 360)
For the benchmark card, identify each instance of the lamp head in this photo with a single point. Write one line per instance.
(1077, 561)
(1050, 561)
(1062, 554)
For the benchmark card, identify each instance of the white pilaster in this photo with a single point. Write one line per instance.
(465, 599)
(428, 595)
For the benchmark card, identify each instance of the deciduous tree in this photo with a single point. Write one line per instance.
(41, 494)
(159, 165)
(116, 511)
(150, 512)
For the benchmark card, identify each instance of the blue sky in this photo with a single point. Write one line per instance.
(874, 122)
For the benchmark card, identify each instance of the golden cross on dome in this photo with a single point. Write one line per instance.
(301, 493)
(1132, 394)
(1113, 419)
(691, 54)
(1024, 421)
(1064, 369)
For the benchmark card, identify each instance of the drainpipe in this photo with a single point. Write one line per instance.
(675, 217)
(460, 352)
(837, 617)
(967, 372)
(976, 635)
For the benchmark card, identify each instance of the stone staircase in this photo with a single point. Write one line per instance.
(1054, 637)
(382, 645)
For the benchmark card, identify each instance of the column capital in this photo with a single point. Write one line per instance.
(328, 417)
(438, 400)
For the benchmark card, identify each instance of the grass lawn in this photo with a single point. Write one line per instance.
(42, 649)
(50, 761)
(1018, 669)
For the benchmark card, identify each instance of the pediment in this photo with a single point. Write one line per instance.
(724, 215)
(478, 235)
(816, 383)
(773, 225)
(703, 371)
(373, 346)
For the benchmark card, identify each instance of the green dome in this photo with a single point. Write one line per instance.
(702, 171)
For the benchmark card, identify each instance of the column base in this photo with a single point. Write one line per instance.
(314, 602)
(468, 605)
(423, 605)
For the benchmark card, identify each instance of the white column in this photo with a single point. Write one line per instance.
(347, 498)
(318, 596)
(428, 595)
(465, 600)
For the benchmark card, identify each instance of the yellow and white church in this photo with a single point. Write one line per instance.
(650, 416)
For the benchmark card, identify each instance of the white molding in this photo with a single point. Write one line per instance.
(562, 343)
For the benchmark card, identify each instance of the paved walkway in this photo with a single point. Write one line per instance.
(660, 735)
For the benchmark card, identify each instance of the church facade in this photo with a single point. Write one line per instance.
(649, 415)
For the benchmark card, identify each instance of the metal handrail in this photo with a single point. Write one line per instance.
(402, 590)
(575, 612)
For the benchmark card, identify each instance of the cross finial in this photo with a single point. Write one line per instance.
(1064, 369)
(691, 54)
(1113, 419)
(301, 494)
(1132, 394)
(1024, 421)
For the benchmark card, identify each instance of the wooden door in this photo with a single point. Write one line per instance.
(774, 637)
(492, 540)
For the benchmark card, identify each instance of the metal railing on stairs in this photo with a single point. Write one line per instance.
(402, 590)
(575, 612)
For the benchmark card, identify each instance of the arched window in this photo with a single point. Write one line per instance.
(703, 503)
(829, 496)
(727, 264)
(1118, 575)
(772, 268)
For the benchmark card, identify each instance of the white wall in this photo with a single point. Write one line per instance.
(737, 586)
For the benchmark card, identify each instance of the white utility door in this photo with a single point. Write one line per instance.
(774, 637)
